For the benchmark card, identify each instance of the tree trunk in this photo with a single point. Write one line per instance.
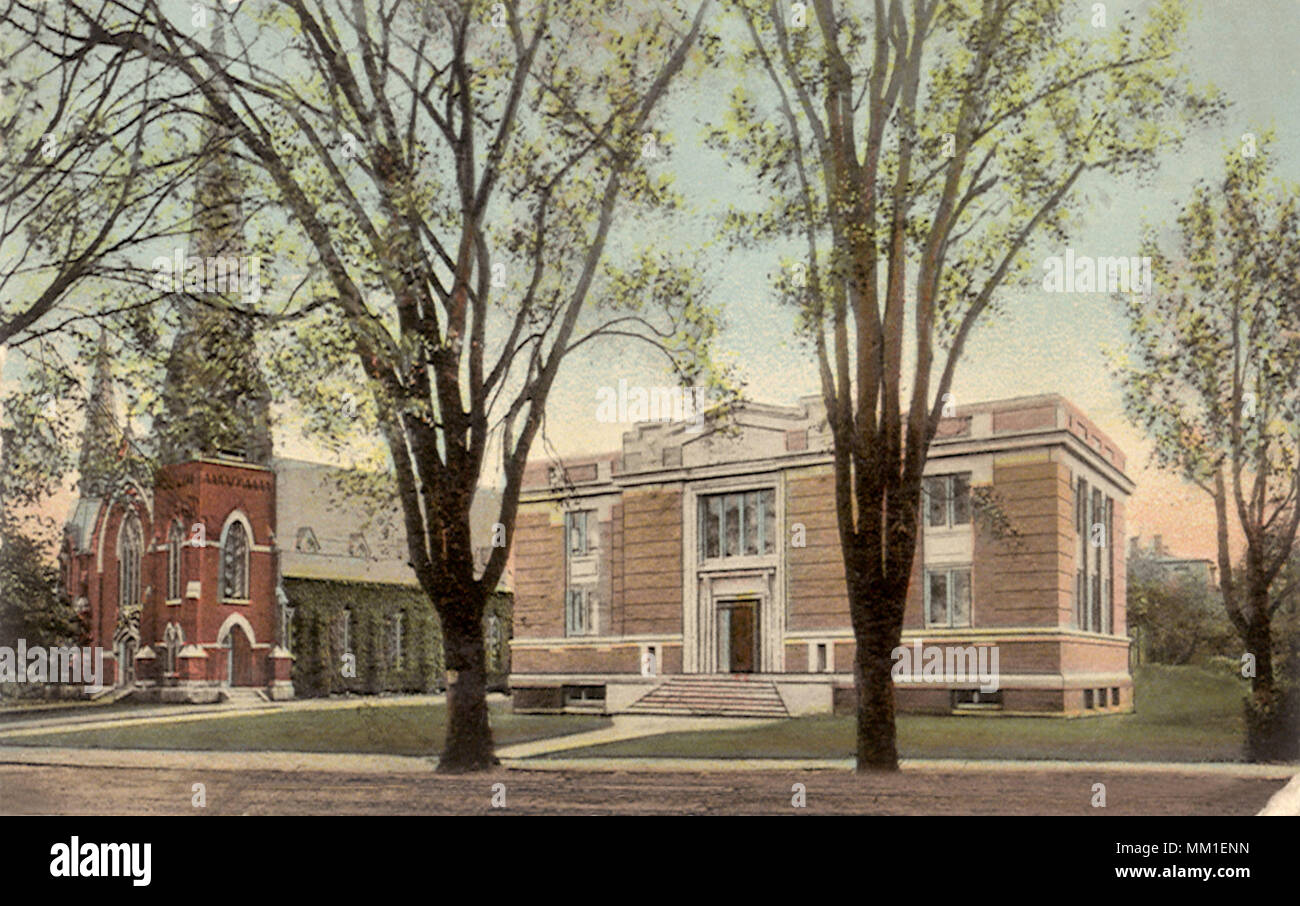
(877, 744)
(1265, 716)
(468, 745)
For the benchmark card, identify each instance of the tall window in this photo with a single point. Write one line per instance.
(286, 629)
(397, 639)
(173, 641)
(131, 546)
(1108, 571)
(175, 544)
(947, 596)
(577, 612)
(742, 524)
(580, 529)
(947, 501)
(347, 631)
(234, 563)
(1094, 591)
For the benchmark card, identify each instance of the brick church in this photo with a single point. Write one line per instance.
(216, 566)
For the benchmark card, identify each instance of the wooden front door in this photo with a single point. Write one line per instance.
(740, 637)
(240, 658)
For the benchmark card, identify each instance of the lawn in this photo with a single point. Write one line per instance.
(1183, 714)
(370, 729)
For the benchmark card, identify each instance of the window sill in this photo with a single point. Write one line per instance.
(744, 561)
(237, 601)
(174, 602)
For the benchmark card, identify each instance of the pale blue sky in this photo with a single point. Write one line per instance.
(1045, 343)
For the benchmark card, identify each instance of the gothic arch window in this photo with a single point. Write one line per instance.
(130, 548)
(175, 544)
(234, 563)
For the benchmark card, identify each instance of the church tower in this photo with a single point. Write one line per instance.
(101, 440)
(216, 401)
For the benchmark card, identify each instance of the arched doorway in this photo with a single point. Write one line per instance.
(239, 657)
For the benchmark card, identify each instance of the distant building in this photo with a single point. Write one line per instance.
(1202, 570)
(700, 571)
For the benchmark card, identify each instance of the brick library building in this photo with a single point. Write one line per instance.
(700, 572)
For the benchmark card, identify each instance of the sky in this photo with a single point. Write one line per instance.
(1044, 343)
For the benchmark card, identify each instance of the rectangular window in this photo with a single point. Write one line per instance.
(936, 507)
(937, 595)
(1108, 601)
(347, 632)
(580, 528)
(397, 640)
(1080, 596)
(1080, 515)
(749, 511)
(947, 500)
(577, 612)
(732, 506)
(948, 597)
(823, 657)
(737, 525)
(960, 500)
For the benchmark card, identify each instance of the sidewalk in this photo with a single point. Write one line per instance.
(348, 762)
(180, 713)
(624, 726)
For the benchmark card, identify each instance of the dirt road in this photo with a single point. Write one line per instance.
(60, 789)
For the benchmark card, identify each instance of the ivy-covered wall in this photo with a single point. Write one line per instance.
(334, 619)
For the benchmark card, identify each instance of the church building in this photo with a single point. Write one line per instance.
(217, 567)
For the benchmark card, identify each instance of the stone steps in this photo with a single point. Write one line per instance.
(722, 696)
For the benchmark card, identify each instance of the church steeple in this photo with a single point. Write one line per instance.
(101, 437)
(216, 400)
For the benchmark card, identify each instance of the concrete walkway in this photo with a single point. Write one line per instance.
(180, 713)
(934, 765)
(625, 726)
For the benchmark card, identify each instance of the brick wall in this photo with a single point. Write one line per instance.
(817, 595)
(539, 572)
(1026, 581)
(651, 572)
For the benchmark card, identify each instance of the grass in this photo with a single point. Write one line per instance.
(1183, 714)
(368, 729)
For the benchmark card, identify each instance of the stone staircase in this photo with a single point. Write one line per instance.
(723, 695)
(243, 695)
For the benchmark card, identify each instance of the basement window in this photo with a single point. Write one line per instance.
(1114, 695)
(975, 700)
(1087, 699)
(584, 694)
